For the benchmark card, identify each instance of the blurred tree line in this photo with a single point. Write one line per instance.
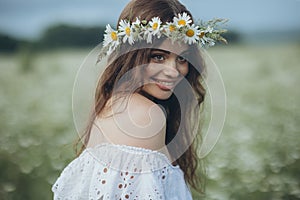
(71, 36)
(62, 36)
(58, 36)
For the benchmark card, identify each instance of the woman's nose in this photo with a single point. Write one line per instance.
(170, 69)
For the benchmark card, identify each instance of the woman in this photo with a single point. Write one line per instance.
(140, 142)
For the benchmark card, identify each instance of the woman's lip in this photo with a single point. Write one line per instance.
(165, 84)
(163, 87)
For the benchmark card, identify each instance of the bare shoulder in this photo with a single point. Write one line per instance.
(143, 111)
(142, 123)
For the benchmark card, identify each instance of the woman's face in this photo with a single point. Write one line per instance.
(166, 69)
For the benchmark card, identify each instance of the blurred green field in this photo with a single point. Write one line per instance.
(257, 156)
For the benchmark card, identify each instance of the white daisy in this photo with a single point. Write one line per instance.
(137, 27)
(111, 39)
(126, 31)
(201, 34)
(191, 34)
(155, 24)
(206, 41)
(209, 29)
(136, 24)
(170, 28)
(182, 20)
(152, 29)
(148, 34)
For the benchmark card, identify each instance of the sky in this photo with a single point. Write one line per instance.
(29, 18)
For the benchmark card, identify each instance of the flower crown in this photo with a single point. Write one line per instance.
(203, 34)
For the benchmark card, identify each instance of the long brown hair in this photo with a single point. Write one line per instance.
(182, 121)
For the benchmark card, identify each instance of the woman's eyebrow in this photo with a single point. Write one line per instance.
(168, 52)
(164, 51)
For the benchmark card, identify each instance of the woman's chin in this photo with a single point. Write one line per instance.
(157, 91)
(162, 95)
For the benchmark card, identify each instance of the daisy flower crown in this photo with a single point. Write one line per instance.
(181, 28)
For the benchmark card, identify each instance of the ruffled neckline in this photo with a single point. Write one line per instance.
(129, 158)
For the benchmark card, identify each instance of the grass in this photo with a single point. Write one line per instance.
(257, 156)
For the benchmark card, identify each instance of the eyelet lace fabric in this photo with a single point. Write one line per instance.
(120, 172)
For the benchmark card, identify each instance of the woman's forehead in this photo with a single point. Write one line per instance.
(173, 47)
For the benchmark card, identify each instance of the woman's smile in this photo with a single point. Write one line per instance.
(165, 84)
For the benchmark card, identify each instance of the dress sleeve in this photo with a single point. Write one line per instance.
(123, 175)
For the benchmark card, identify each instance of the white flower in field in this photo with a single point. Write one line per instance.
(126, 31)
(191, 34)
(111, 38)
(182, 20)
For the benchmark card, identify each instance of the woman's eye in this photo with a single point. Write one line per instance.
(157, 57)
(181, 59)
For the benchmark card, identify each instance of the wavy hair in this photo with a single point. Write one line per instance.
(182, 118)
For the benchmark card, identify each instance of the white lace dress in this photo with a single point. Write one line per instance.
(117, 172)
